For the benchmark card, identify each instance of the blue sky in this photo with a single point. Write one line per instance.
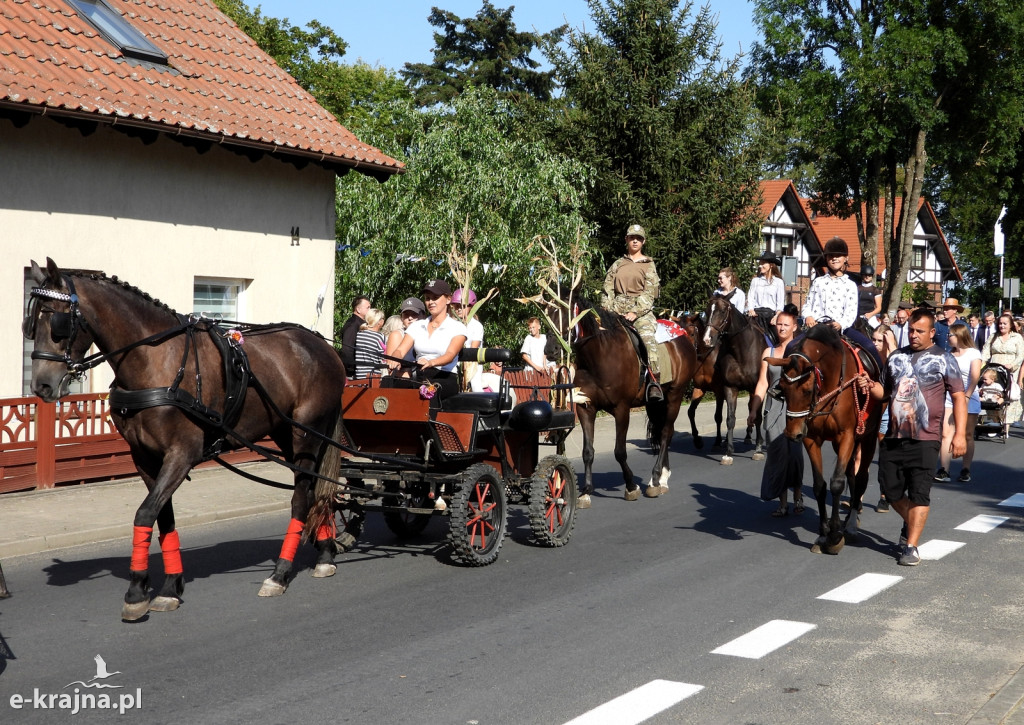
(391, 33)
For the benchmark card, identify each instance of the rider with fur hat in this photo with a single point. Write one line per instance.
(834, 296)
(630, 288)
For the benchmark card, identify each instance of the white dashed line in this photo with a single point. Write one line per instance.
(766, 638)
(983, 523)
(937, 548)
(862, 588)
(642, 703)
(1016, 500)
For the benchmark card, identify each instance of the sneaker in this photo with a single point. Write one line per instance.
(910, 556)
(903, 536)
(882, 506)
(941, 476)
(965, 476)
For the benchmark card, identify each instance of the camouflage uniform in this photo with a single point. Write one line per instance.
(632, 286)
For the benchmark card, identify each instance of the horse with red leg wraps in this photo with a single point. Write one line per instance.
(182, 393)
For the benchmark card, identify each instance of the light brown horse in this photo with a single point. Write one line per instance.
(171, 395)
(818, 381)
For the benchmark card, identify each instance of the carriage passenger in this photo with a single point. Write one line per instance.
(472, 371)
(833, 295)
(630, 288)
(412, 309)
(728, 287)
(436, 340)
(360, 306)
(369, 345)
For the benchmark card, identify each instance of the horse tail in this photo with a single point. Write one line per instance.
(321, 513)
(657, 416)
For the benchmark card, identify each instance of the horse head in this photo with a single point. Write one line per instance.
(804, 370)
(722, 320)
(59, 331)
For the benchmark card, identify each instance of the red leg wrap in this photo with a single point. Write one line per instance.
(171, 548)
(140, 547)
(291, 540)
(326, 531)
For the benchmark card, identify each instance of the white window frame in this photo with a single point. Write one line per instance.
(238, 286)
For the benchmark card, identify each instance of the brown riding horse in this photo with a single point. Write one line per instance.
(608, 372)
(169, 398)
(738, 345)
(822, 404)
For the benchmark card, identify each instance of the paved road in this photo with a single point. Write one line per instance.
(645, 592)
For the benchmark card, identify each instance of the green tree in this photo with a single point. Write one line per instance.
(312, 56)
(468, 167)
(895, 98)
(485, 50)
(672, 132)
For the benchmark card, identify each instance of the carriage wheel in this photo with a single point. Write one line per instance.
(553, 499)
(479, 516)
(403, 524)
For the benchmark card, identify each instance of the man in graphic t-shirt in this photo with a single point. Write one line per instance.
(916, 382)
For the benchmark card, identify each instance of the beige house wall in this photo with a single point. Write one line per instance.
(159, 216)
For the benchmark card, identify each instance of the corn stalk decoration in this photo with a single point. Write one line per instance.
(463, 265)
(550, 271)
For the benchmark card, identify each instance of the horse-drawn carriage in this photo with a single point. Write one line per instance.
(468, 457)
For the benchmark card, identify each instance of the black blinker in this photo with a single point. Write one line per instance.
(60, 326)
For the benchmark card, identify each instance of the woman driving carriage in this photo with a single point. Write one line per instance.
(436, 340)
(834, 296)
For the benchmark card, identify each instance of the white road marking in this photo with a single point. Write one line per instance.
(862, 588)
(642, 703)
(766, 638)
(937, 548)
(983, 523)
(1016, 499)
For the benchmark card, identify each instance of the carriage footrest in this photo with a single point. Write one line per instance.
(563, 419)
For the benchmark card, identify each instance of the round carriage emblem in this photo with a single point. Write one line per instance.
(380, 405)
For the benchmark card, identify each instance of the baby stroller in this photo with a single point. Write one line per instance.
(992, 420)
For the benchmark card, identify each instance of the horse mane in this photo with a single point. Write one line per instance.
(607, 320)
(826, 335)
(102, 277)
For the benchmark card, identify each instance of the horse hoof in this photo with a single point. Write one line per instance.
(726, 460)
(816, 549)
(758, 457)
(633, 495)
(583, 502)
(653, 491)
(164, 604)
(135, 611)
(271, 588)
(835, 548)
(698, 442)
(322, 571)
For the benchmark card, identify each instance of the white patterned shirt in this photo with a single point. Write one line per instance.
(766, 294)
(832, 297)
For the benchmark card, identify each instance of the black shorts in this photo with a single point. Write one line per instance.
(906, 468)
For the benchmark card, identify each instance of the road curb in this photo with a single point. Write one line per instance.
(1006, 707)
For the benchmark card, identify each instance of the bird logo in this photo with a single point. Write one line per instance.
(101, 674)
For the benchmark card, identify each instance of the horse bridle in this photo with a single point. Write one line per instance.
(63, 326)
(818, 381)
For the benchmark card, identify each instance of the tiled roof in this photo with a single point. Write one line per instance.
(771, 192)
(220, 86)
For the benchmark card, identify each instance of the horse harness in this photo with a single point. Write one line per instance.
(815, 409)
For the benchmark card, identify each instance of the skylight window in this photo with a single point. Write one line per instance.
(116, 29)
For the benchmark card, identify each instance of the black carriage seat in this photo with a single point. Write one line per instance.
(482, 403)
(563, 419)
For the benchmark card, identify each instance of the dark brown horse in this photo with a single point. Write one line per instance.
(608, 372)
(704, 380)
(822, 404)
(737, 345)
(171, 395)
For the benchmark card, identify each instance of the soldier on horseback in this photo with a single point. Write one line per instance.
(630, 288)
